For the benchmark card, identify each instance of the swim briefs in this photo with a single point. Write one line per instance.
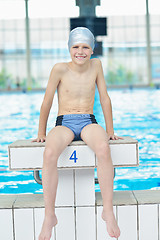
(75, 122)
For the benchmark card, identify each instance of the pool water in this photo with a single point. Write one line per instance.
(136, 113)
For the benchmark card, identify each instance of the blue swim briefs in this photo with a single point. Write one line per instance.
(75, 122)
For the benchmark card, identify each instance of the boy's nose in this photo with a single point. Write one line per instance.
(80, 50)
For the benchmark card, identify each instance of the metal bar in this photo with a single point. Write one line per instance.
(148, 38)
(28, 55)
(39, 180)
(37, 177)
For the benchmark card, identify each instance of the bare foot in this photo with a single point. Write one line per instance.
(48, 224)
(111, 223)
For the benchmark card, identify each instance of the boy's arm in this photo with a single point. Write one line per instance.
(105, 101)
(53, 82)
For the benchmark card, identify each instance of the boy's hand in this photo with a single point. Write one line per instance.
(113, 137)
(41, 138)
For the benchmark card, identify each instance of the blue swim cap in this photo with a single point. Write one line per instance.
(81, 35)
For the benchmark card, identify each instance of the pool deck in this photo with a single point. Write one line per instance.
(120, 198)
(137, 213)
(111, 86)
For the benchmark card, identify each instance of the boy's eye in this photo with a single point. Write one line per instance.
(83, 47)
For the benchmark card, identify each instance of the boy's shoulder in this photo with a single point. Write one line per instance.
(60, 67)
(96, 61)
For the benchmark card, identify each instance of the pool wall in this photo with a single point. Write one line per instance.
(137, 213)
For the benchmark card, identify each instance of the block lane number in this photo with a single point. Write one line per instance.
(74, 156)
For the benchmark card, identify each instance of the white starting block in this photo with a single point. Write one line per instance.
(28, 155)
(76, 186)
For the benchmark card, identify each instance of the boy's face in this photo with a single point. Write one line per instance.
(80, 53)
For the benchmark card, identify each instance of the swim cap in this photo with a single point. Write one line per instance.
(81, 35)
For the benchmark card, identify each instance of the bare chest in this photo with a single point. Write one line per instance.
(77, 85)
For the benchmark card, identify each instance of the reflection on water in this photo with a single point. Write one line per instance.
(136, 113)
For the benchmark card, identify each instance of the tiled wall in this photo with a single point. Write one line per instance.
(137, 213)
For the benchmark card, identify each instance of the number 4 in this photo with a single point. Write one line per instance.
(73, 156)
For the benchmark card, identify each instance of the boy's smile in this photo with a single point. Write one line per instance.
(80, 57)
(81, 52)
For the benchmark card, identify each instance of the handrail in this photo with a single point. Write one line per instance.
(38, 179)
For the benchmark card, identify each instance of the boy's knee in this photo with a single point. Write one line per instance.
(102, 150)
(50, 155)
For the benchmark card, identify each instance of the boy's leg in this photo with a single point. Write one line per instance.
(57, 140)
(96, 138)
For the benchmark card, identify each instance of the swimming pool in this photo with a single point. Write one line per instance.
(136, 113)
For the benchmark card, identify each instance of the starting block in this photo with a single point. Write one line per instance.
(76, 182)
(28, 155)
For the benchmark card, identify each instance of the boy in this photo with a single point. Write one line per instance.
(75, 83)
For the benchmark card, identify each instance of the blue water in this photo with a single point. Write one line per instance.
(136, 113)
